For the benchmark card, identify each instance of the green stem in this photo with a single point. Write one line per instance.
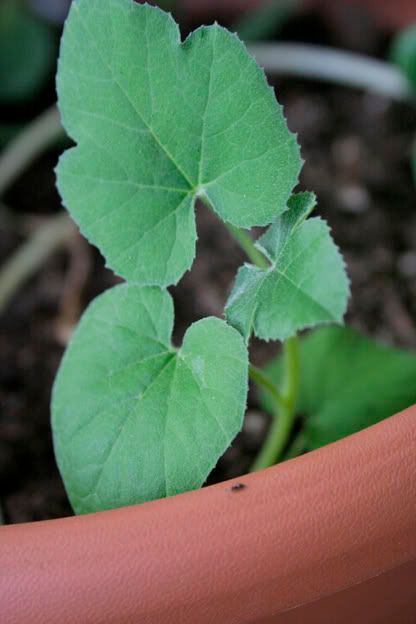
(261, 379)
(272, 444)
(284, 417)
(242, 237)
(285, 401)
(248, 246)
(296, 447)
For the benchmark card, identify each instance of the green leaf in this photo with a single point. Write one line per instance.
(159, 123)
(348, 382)
(27, 52)
(133, 418)
(305, 285)
(403, 52)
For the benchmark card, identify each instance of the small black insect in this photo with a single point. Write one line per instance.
(236, 487)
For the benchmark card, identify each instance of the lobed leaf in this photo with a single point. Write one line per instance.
(159, 123)
(348, 382)
(305, 285)
(133, 418)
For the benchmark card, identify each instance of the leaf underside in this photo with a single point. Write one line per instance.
(348, 382)
(134, 419)
(159, 123)
(305, 285)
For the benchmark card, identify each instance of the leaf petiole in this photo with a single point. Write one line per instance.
(297, 447)
(248, 246)
(243, 239)
(261, 379)
(284, 417)
(285, 400)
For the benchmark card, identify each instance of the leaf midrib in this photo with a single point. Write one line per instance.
(204, 115)
(126, 419)
(192, 185)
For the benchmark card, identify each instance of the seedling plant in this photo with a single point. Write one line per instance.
(160, 124)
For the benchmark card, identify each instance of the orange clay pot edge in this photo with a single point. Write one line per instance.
(334, 531)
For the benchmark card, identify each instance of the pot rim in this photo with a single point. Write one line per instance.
(289, 539)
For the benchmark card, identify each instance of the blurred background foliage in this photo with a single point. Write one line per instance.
(27, 51)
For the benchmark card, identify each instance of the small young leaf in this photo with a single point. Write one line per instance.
(159, 123)
(305, 285)
(134, 419)
(348, 382)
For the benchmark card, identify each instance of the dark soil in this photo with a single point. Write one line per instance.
(357, 149)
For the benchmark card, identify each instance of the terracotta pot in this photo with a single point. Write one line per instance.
(391, 14)
(328, 537)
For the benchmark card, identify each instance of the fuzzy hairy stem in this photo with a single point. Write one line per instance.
(284, 415)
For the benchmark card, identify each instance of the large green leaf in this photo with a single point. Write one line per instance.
(306, 283)
(159, 123)
(133, 418)
(348, 382)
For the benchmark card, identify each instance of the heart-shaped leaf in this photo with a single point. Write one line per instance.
(159, 123)
(306, 283)
(133, 418)
(348, 382)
